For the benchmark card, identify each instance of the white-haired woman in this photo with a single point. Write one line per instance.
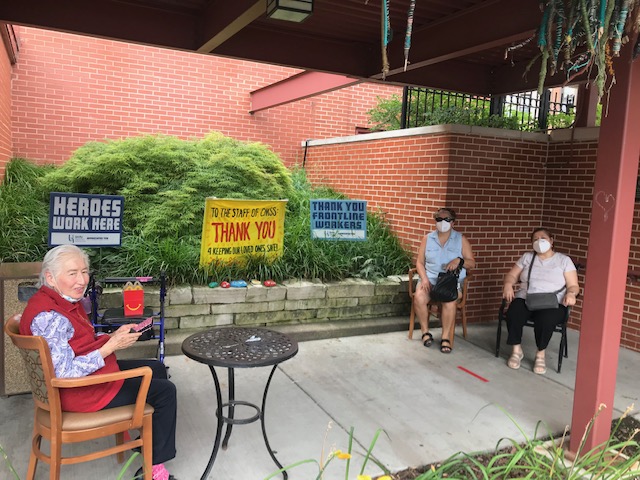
(55, 313)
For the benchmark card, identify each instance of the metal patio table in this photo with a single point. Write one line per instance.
(238, 347)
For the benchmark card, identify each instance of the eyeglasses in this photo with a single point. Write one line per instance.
(448, 219)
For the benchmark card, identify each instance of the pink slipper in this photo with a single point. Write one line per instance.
(159, 472)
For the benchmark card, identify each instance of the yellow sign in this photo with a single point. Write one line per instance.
(232, 229)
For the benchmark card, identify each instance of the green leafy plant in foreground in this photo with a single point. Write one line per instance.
(8, 463)
(347, 456)
(126, 466)
(545, 459)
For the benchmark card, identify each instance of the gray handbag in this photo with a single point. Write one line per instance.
(540, 301)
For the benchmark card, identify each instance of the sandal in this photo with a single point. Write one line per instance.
(539, 366)
(445, 348)
(514, 360)
(428, 341)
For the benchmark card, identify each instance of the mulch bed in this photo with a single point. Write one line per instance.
(625, 432)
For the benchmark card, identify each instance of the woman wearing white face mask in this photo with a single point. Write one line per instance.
(55, 313)
(441, 250)
(540, 271)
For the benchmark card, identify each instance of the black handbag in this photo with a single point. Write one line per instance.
(446, 288)
(540, 301)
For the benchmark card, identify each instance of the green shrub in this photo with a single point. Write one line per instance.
(24, 215)
(433, 110)
(165, 181)
(386, 115)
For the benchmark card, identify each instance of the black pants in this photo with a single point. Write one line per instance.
(162, 397)
(544, 322)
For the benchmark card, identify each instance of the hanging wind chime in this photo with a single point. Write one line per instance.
(577, 35)
(386, 36)
(407, 37)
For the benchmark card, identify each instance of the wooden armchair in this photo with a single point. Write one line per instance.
(60, 427)
(461, 306)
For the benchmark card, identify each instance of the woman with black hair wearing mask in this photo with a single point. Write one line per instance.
(541, 271)
(443, 249)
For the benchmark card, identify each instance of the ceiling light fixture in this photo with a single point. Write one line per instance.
(289, 10)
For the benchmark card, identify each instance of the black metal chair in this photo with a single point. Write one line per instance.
(561, 328)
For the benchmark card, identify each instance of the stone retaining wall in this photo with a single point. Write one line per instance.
(295, 301)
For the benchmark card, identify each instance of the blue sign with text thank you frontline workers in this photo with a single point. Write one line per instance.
(339, 219)
(85, 220)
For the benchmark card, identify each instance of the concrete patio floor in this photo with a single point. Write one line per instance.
(429, 405)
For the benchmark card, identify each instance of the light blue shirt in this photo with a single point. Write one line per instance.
(57, 331)
(436, 256)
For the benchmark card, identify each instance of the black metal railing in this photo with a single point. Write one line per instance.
(526, 111)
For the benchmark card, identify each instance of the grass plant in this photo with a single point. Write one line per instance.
(24, 215)
(545, 458)
(126, 466)
(335, 454)
(7, 462)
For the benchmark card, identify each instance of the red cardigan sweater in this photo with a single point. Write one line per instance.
(84, 340)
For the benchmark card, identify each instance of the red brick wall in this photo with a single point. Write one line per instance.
(491, 182)
(501, 186)
(5, 108)
(68, 90)
(631, 317)
(569, 192)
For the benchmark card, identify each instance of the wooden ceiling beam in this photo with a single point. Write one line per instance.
(454, 75)
(106, 19)
(220, 23)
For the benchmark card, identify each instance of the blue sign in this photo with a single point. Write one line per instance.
(339, 219)
(85, 220)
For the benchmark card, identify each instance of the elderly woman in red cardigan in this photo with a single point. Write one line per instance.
(55, 313)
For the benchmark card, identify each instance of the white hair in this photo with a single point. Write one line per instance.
(52, 262)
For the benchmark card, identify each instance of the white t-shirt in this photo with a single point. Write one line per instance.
(546, 275)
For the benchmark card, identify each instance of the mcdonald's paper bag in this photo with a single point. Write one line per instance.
(133, 294)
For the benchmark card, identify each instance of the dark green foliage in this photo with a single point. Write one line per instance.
(160, 177)
(386, 115)
(165, 181)
(440, 108)
(24, 216)
(464, 115)
(561, 120)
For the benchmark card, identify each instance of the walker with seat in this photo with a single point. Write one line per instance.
(110, 319)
